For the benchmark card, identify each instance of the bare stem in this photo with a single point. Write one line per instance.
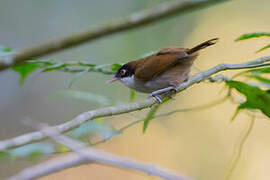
(239, 148)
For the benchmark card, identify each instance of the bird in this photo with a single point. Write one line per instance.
(160, 72)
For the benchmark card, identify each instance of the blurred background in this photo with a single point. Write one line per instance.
(197, 143)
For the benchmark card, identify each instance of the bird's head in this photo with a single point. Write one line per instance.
(127, 70)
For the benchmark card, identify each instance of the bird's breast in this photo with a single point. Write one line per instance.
(146, 87)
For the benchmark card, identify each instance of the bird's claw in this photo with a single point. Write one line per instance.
(161, 91)
(174, 90)
(158, 99)
(150, 95)
(155, 96)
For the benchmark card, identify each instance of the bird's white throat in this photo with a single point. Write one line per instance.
(129, 82)
(146, 87)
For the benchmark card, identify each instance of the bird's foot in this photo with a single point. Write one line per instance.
(155, 96)
(158, 99)
(161, 91)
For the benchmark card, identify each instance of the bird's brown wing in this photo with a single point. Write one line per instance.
(154, 65)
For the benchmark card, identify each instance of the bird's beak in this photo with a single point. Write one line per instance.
(112, 80)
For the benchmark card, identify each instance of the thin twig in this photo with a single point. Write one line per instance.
(196, 108)
(84, 156)
(239, 148)
(120, 109)
(135, 20)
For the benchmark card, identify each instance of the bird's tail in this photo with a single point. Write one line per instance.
(203, 45)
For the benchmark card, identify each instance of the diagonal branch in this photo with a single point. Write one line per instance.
(72, 159)
(83, 155)
(125, 108)
(135, 20)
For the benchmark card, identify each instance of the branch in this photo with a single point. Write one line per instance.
(72, 159)
(79, 67)
(195, 108)
(120, 109)
(135, 20)
(83, 155)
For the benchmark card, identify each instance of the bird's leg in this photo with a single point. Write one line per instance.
(157, 98)
(161, 91)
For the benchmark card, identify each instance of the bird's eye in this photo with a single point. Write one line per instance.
(123, 72)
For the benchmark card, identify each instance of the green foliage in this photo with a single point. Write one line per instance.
(4, 51)
(132, 95)
(257, 74)
(54, 66)
(263, 48)
(3, 154)
(253, 35)
(97, 127)
(115, 67)
(86, 64)
(25, 70)
(261, 79)
(77, 68)
(152, 112)
(34, 156)
(60, 148)
(149, 117)
(32, 151)
(263, 70)
(87, 96)
(256, 98)
(28, 67)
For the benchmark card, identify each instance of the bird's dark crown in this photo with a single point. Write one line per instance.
(125, 71)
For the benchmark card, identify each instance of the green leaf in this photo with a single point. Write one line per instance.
(86, 64)
(32, 150)
(263, 48)
(256, 98)
(261, 79)
(4, 51)
(102, 129)
(3, 154)
(149, 116)
(151, 113)
(35, 155)
(60, 148)
(253, 35)
(7, 50)
(115, 67)
(87, 96)
(132, 96)
(54, 67)
(254, 72)
(263, 70)
(25, 69)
